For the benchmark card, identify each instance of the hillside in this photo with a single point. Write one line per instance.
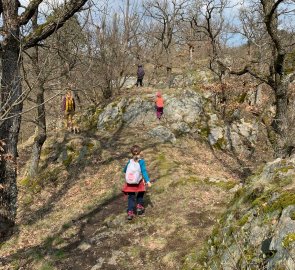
(73, 215)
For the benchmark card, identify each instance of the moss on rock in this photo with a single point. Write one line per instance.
(286, 198)
(288, 240)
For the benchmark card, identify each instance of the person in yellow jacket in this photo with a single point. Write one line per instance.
(68, 108)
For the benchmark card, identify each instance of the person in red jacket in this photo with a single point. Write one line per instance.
(159, 104)
(135, 191)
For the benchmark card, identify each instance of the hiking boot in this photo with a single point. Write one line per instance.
(130, 215)
(139, 209)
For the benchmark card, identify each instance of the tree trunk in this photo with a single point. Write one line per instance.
(169, 67)
(40, 135)
(107, 90)
(281, 95)
(11, 93)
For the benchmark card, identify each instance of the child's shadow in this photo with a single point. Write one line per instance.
(148, 201)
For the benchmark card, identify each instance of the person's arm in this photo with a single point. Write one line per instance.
(144, 171)
(125, 168)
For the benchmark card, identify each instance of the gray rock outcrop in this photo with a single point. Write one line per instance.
(258, 230)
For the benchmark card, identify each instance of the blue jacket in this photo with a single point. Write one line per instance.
(143, 170)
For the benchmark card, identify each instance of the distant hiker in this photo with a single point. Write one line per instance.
(68, 107)
(159, 105)
(136, 177)
(140, 75)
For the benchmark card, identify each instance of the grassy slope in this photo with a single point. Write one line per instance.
(75, 219)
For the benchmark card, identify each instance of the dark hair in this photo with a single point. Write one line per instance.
(135, 150)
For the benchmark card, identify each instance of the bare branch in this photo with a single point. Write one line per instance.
(29, 12)
(49, 27)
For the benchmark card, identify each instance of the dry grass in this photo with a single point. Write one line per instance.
(182, 208)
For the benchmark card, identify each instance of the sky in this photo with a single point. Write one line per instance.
(231, 14)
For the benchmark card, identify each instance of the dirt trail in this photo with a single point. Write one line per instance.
(83, 232)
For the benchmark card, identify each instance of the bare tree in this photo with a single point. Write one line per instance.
(209, 22)
(167, 15)
(112, 48)
(276, 45)
(12, 45)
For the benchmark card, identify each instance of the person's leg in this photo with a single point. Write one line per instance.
(67, 119)
(137, 82)
(158, 113)
(141, 82)
(131, 201)
(131, 205)
(139, 206)
(161, 110)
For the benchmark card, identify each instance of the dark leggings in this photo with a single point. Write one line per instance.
(159, 112)
(139, 82)
(131, 200)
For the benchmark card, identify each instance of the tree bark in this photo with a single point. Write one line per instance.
(11, 92)
(281, 97)
(40, 135)
(169, 68)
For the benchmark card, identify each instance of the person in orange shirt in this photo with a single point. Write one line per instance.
(159, 105)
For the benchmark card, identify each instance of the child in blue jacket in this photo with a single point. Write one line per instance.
(132, 189)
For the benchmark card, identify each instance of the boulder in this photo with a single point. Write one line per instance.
(258, 229)
(282, 242)
(162, 134)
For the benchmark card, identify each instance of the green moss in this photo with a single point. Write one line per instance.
(226, 185)
(90, 122)
(164, 165)
(242, 97)
(70, 148)
(240, 193)
(186, 181)
(286, 199)
(204, 132)
(47, 266)
(66, 162)
(35, 185)
(263, 198)
(292, 216)
(46, 151)
(249, 254)
(59, 254)
(90, 146)
(25, 182)
(288, 240)
(16, 264)
(282, 181)
(112, 125)
(196, 259)
(49, 175)
(220, 144)
(66, 226)
(253, 195)
(28, 199)
(284, 169)
(243, 220)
